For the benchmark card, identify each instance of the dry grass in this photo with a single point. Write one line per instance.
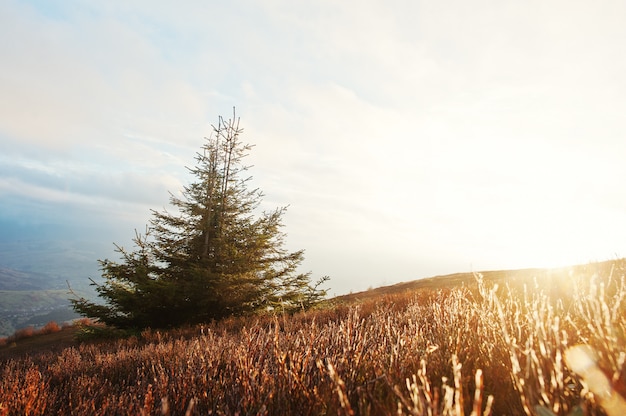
(457, 351)
(29, 332)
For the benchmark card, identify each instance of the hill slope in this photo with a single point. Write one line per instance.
(11, 279)
(514, 278)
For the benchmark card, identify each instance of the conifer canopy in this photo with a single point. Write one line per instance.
(216, 256)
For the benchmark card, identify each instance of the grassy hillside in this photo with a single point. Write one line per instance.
(447, 345)
(552, 279)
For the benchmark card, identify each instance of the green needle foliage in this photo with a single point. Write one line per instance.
(211, 259)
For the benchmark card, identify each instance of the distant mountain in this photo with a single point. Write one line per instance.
(34, 277)
(60, 252)
(57, 260)
(16, 280)
(20, 308)
(37, 261)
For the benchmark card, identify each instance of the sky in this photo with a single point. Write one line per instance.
(408, 138)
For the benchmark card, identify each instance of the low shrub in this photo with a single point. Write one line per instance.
(20, 334)
(49, 328)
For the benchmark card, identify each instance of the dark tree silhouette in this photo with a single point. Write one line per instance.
(211, 259)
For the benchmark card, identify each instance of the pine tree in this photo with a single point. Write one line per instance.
(212, 258)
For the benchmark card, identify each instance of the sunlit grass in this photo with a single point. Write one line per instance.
(469, 350)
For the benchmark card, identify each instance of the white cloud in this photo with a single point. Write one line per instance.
(418, 135)
(67, 82)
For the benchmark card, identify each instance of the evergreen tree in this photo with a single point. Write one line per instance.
(213, 258)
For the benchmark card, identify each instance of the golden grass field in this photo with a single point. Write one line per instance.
(544, 342)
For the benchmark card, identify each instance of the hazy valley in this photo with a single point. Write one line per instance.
(34, 277)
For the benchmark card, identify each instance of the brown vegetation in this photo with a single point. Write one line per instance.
(30, 331)
(461, 350)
